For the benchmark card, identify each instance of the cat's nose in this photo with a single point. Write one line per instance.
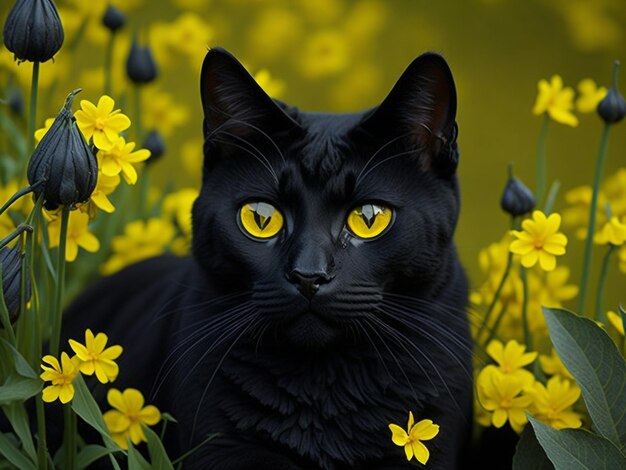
(308, 283)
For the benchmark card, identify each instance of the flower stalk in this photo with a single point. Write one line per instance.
(58, 296)
(602, 281)
(70, 436)
(592, 218)
(542, 161)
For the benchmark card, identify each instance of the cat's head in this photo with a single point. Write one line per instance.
(317, 216)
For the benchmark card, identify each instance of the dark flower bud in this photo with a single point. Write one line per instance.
(33, 30)
(612, 108)
(140, 65)
(11, 262)
(113, 19)
(154, 142)
(517, 199)
(63, 163)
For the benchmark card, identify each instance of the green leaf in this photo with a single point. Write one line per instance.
(9, 451)
(16, 414)
(14, 134)
(86, 407)
(158, 456)
(22, 366)
(18, 388)
(530, 454)
(89, 454)
(136, 460)
(574, 449)
(598, 367)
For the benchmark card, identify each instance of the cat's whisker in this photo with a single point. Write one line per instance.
(263, 133)
(215, 371)
(193, 308)
(252, 146)
(394, 357)
(223, 321)
(375, 154)
(256, 157)
(376, 350)
(392, 157)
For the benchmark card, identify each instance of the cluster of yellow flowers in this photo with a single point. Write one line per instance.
(128, 415)
(506, 390)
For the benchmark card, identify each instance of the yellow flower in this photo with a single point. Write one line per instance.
(94, 358)
(540, 240)
(590, 95)
(190, 34)
(325, 53)
(61, 376)
(512, 359)
(39, 133)
(129, 415)
(161, 111)
(552, 365)
(101, 122)
(552, 404)
(105, 186)
(78, 235)
(555, 100)
(616, 322)
(412, 438)
(119, 158)
(141, 240)
(613, 233)
(502, 395)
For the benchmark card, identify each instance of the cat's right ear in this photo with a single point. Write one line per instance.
(233, 101)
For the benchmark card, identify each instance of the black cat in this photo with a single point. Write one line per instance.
(324, 299)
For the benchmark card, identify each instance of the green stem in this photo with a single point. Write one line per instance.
(70, 437)
(108, 67)
(601, 282)
(22, 192)
(496, 296)
(592, 219)
(32, 119)
(191, 451)
(21, 228)
(552, 193)
(496, 325)
(542, 161)
(42, 445)
(525, 325)
(137, 123)
(4, 314)
(58, 296)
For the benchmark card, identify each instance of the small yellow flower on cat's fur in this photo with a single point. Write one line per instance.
(539, 241)
(126, 420)
(412, 438)
(61, 377)
(101, 122)
(556, 100)
(94, 358)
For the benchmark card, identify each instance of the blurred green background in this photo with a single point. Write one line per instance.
(341, 55)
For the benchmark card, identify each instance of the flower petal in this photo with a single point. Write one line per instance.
(421, 452)
(398, 435)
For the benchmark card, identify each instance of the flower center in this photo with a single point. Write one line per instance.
(538, 244)
(100, 123)
(506, 403)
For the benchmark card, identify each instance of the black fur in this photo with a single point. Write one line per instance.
(226, 342)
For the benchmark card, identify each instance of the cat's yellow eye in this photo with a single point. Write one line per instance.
(369, 220)
(260, 219)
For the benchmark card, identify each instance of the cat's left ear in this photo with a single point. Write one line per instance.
(422, 105)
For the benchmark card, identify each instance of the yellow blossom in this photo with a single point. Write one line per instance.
(612, 233)
(105, 186)
(39, 133)
(412, 438)
(511, 359)
(552, 403)
(161, 111)
(190, 34)
(101, 122)
(60, 376)
(577, 215)
(141, 240)
(126, 419)
(119, 159)
(553, 288)
(540, 241)
(552, 365)
(325, 53)
(616, 322)
(272, 86)
(94, 358)
(502, 395)
(556, 100)
(78, 235)
(590, 95)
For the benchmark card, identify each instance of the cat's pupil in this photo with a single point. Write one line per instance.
(262, 213)
(369, 212)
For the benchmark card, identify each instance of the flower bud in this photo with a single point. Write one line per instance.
(154, 142)
(612, 108)
(64, 162)
(11, 262)
(113, 18)
(517, 199)
(140, 65)
(33, 30)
